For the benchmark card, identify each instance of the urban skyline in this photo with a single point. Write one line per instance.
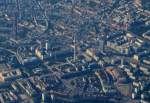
(74, 51)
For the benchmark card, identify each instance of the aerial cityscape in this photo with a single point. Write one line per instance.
(74, 51)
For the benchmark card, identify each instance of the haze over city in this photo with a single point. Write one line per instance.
(74, 51)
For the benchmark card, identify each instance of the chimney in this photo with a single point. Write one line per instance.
(46, 45)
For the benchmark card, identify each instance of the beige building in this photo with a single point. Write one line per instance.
(137, 3)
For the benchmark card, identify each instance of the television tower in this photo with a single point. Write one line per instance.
(74, 41)
(16, 15)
